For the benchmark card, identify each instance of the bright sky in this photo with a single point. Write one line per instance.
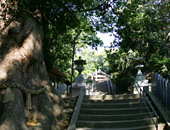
(106, 38)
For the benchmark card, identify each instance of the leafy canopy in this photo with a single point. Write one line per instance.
(62, 20)
(142, 26)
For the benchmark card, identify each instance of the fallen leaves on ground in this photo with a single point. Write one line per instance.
(31, 122)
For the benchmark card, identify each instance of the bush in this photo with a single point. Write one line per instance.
(122, 83)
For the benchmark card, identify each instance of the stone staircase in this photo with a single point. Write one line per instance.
(113, 112)
(101, 88)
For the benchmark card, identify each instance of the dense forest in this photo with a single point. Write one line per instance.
(143, 29)
(37, 35)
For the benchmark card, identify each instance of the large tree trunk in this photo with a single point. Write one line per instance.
(21, 62)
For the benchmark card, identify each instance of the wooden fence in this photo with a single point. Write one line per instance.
(161, 88)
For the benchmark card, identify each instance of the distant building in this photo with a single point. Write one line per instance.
(99, 76)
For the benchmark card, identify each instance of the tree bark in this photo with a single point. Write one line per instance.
(22, 62)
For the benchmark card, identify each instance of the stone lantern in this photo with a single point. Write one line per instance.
(79, 80)
(80, 64)
(138, 60)
(140, 78)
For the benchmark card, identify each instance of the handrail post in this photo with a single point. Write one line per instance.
(92, 87)
(140, 101)
(131, 86)
(156, 123)
(108, 85)
(95, 86)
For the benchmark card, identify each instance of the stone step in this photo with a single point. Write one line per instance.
(111, 97)
(112, 101)
(112, 111)
(147, 127)
(111, 105)
(90, 117)
(115, 124)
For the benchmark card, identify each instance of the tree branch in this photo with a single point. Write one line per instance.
(78, 34)
(95, 8)
(102, 7)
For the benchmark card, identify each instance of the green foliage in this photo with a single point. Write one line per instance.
(140, 26)
(160, 64)
(62, 20)
(122, 65)
(65, 19)
(121, 61)
(135, 24)
(103, 65)
(94, 61)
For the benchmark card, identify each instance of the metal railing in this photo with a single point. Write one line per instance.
(110, 85)
(141, 92)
